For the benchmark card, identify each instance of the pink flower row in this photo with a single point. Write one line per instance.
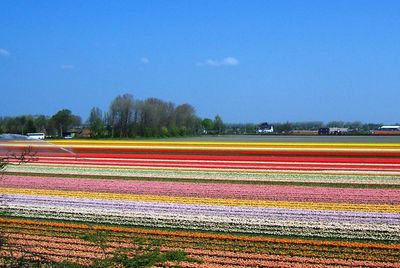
(211, 190)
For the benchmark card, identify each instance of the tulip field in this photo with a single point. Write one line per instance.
(226, 204)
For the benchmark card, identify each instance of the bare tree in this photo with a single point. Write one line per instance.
(12, 158)
(186, 118)
(121, 114)
(155, 116)
(95, 122)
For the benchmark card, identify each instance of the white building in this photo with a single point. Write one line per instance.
(265, 128)
(390, 128)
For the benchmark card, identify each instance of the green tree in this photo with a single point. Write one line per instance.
(218, 125)
(250, 128)
(284, 128)
(335, 124)
(63, 120)
(207, 124)
(30, 125)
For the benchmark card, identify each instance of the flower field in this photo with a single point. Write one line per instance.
(227, 204)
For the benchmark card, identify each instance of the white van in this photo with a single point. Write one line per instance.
(35, 136)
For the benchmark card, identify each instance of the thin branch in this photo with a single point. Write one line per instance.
(12, 158)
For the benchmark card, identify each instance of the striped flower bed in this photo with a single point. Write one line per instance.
(226, 204)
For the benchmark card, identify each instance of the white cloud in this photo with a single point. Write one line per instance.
(228, 61)
(4, 52)
(145, 60)
(67, 66)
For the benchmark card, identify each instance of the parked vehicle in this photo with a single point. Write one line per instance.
(36, 136)
(333, 131)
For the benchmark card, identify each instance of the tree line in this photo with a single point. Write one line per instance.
(356, 127)
(126, 117)
(152, 117)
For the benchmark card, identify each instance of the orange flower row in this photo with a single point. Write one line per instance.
(60, 235)
(204, 235)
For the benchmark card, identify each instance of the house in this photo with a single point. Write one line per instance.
(264, 128)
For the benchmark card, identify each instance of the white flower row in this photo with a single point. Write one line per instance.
(229, 223)
(367, 177)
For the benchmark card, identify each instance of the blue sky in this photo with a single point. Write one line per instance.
(248, 61)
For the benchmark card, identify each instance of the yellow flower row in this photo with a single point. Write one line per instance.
(226, 144)
(203, 145)
(208, 201)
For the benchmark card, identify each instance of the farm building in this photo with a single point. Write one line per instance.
(387, 130)
(333, 131)
(265, 128)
